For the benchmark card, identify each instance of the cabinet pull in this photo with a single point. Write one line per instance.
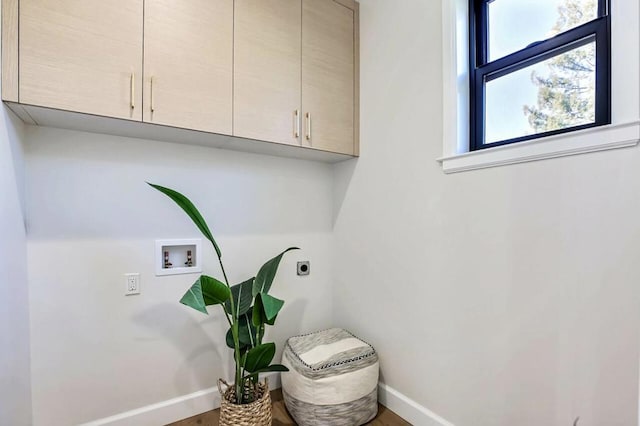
(133, 89)
(151, 93)
(308, 126)
(296, 124)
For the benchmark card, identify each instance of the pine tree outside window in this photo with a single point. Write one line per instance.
(537, 68)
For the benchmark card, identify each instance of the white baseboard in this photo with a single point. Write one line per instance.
(408, 409)
(173, 409)
(205, 400)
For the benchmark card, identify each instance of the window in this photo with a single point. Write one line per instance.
(458, 153)
(537, 68)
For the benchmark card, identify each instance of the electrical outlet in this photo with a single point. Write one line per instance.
(304, 268)
(132, 284)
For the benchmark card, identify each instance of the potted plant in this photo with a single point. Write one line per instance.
(248, 308)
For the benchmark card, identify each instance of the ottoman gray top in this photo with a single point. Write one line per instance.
(329, 352)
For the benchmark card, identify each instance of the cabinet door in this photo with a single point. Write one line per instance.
(267, 69)
(328, 76)
(188, 68)
(82, 55)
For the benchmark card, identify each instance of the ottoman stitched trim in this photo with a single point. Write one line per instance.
(370, 353)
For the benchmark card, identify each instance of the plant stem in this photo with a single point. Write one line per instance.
(259, 334)
(242, 371)
(236, 340)
(226, 280)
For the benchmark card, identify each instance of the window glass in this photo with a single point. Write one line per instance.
(515, 24)
(554, 94)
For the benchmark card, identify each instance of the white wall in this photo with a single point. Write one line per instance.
(15, 374)
(506, 296)
(92, 218)
(495, 297)
(15, 390)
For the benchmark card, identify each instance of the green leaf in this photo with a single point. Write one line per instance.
(194, 299)
(213, 290)
(272, 321)
(272, 367)
(206, 291)
(191, 211)
(258, 316)
(260, 357)
(246, 332)
(271, 306)
(241, 297)
(243, 348)
(266, 309)
(267, 273)
(229, 339)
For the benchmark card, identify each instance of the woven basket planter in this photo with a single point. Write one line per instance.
(257, 413)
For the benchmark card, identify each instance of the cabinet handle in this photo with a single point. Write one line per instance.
(296, 124)
(308, 126)
(133, 89)
(151, 93)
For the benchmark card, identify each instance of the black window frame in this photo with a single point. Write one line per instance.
(481, 70)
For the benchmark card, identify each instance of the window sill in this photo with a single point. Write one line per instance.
(613, 136)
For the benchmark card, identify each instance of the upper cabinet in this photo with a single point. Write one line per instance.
(83, 56)
(281, 71)
(328, 76)
(267, 70)
(295, 73)
(188, 64)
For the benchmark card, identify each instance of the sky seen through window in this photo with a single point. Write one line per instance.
(514, 24)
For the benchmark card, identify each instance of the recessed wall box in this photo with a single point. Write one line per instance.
(174, 257)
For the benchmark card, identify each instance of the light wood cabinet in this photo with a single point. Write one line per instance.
(282, 71)
(295, 72)
(188, 64)
(267, 70)
(328, 76)
(80, 55)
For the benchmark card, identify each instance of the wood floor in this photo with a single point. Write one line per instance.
(281, 417)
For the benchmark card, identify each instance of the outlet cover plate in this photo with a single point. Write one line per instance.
(132, 284)
(304, 268)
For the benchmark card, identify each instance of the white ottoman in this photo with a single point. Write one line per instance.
(332, 379)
